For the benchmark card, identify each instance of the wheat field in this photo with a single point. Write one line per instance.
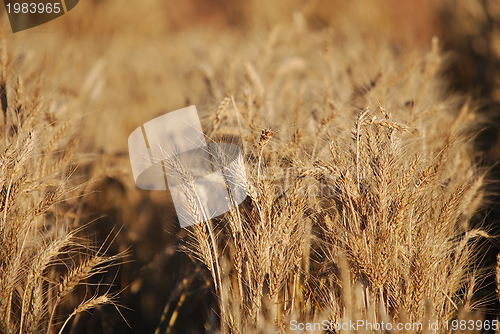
(368, 133)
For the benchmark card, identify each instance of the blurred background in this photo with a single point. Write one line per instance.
(111, 65)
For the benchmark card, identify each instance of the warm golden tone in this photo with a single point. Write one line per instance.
(366, 185)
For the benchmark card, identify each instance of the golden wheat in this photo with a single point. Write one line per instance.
(35, 241)
(360, 169)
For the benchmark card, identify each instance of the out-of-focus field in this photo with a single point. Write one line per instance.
(359, 96)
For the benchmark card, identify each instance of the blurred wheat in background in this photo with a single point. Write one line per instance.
(370, 167)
